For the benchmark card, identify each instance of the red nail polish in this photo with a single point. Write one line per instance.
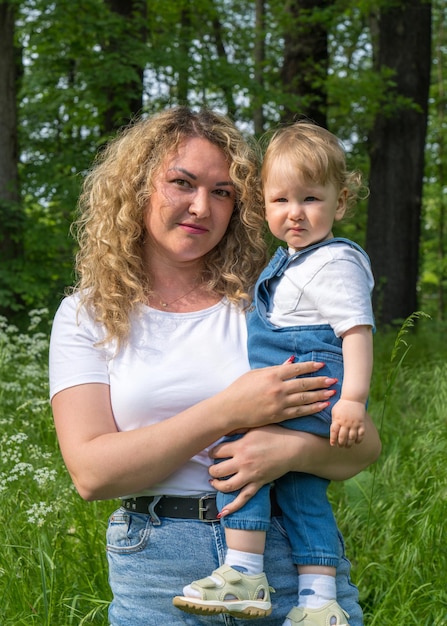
(291, 359)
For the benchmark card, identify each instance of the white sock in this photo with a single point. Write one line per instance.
(246, 562)
(315, 590)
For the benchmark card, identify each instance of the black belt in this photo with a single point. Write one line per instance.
(203, 508)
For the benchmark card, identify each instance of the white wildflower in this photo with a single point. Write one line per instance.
(37, 513)
(20, 469)
(44, 475)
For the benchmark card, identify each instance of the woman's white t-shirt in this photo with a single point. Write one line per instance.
(171, 362)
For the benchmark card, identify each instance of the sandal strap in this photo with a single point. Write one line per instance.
(225, 573)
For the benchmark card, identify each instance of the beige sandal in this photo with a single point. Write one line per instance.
(239, 595)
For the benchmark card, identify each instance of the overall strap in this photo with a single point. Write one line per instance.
(329, 242)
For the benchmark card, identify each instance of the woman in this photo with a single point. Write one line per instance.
(148, 365)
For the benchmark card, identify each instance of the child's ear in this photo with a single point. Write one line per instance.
(342, 203)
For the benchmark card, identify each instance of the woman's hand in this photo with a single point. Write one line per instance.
(257, 458)
(264, 454)
(274, 394)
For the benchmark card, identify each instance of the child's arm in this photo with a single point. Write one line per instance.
(348, 414)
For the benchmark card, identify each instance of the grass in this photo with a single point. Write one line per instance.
(393, 515)
(53, 566)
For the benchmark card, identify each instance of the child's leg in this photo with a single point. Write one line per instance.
(245, 540)
(245, 530)
(239, 587)
(313, 534)
(245, 550)
(316, 586)
(308, 520)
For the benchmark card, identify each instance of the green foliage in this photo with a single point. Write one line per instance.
(82, 63)
(39, 276)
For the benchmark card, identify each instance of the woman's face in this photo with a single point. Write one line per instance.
(191, 206)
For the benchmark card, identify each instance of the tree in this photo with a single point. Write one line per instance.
(124, 45)
(397, 142)
(83, 78)
(10, 210)
(9, 182)
(433, 279)
(258, 62)
(304, 72)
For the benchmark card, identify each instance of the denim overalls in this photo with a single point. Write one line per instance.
(308, 516)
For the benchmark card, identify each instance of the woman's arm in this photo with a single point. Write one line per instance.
(105, 463)
(264, 454)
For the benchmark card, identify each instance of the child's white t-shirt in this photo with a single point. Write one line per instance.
(331, 284)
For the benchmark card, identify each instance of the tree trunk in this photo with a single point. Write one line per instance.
(306, 60)
(9, 188)
(440, 144)
(126, 97)
(182, 86)
(259, 60)
(397, 143)
(10, 211)
(223, 61)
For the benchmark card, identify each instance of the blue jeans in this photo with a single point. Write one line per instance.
(150, 562)
(307, 516)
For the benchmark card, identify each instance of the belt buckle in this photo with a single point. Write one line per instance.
(203, 509)
(130, 504)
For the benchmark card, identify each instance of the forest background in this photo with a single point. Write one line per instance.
(372, 71)
(72, 72)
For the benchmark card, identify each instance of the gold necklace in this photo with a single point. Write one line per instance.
(168, 304)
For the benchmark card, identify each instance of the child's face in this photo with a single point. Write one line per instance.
(299, 213)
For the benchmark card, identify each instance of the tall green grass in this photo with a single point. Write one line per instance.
(394, 515)
(53, 566)
(52, 563)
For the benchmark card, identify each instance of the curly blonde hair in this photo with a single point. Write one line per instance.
(318, 155)
(112, 280)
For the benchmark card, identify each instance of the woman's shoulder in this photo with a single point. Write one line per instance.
(67, 308)
(72, 306)
(69, 302)
(74, 316)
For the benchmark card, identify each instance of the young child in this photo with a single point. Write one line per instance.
(312, 302)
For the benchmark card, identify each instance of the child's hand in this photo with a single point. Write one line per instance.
(348, 423)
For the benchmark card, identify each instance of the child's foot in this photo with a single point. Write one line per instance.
(331, 614)
(228, 591)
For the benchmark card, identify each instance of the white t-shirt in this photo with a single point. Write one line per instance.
(171, 362)
(331, 284)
